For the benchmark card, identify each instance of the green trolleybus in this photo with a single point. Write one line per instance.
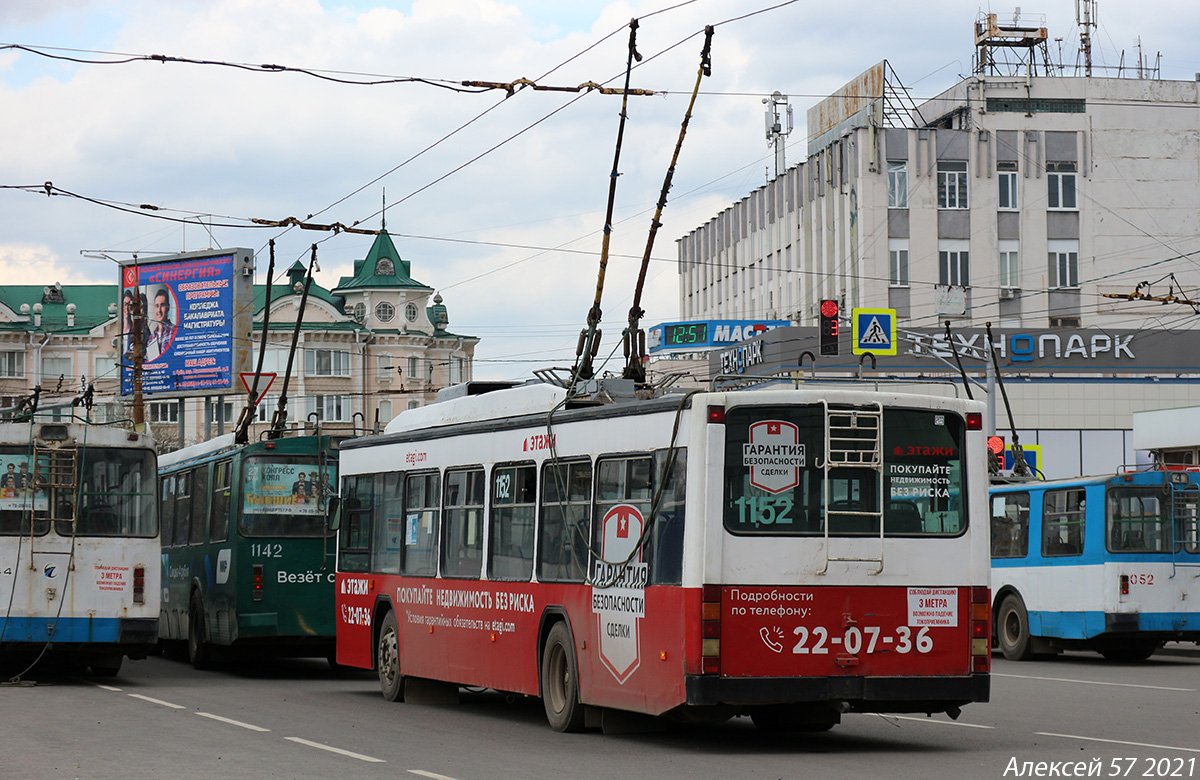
(247, 561)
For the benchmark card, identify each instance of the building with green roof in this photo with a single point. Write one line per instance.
(375, 345)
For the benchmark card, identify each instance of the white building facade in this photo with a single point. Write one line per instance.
(1015, 201)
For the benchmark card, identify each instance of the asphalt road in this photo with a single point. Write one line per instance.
(297, 719)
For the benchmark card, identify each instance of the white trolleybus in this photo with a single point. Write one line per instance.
(1108, 563)
(791, 555)
(78, 545)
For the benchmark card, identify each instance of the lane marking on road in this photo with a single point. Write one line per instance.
(431, 775)
(1117, 742)
(339, 751)
(1095, 682)
(107, 687)
(886, 716)
(231, 721)
(157, 701)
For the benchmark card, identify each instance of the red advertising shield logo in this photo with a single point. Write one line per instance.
(774, 455)
(618, 592)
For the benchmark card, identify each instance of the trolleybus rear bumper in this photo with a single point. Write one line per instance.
(866, 694)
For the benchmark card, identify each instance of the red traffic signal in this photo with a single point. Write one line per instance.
(829, 327)
(995, 445)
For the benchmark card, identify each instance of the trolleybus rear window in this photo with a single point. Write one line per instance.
(113, 495)
(116, 494)
(18, 500)
(285, 496)
(780, 473)
(1137, 521)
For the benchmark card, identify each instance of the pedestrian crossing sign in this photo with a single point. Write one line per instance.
(874, 331)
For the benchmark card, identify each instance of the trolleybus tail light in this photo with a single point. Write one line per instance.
(1124, 584)
(716, 414)
(139, 584)
(981, 629)
(710, 629)
(974, 421)
(257, 579)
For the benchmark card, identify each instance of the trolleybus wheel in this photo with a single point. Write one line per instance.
(199, 653)
(391, 682)
(560, 681)
(1012, 629)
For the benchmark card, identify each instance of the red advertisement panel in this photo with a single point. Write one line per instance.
(486, 634)
(849, 631)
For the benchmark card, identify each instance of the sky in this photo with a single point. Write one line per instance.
(498, 202)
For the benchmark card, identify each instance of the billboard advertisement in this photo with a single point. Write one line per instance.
(706, 334)
(193, 305)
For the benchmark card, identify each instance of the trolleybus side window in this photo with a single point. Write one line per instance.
(1062, 522)
(622, 511)
(664, 544)
(510, 535)
(199, 505)
(220, 502)
(357, 501)
(183, 507)
(387, 532)
(166, 509)
(565, 514)
(422, 501)
(1137, 521)
(1010, 525)
(462, 544)
(18, 499)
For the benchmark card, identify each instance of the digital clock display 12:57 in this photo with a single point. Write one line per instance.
(689, 333)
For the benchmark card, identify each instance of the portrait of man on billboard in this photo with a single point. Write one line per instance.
(162, 327)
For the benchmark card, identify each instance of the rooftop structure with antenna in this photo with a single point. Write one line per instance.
(1006, 47)
(779, 127)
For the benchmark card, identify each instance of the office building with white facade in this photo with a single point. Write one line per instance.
(1018, 200)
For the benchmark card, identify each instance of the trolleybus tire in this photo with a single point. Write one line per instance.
(1012, 629)
(391, 682)
(199, 653)
(560, 681)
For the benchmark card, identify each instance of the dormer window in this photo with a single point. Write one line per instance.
(385, 267)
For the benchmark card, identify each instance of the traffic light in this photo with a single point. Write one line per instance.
(829, 327)
(995, 445)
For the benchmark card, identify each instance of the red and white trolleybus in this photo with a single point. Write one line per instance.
(787, 554)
